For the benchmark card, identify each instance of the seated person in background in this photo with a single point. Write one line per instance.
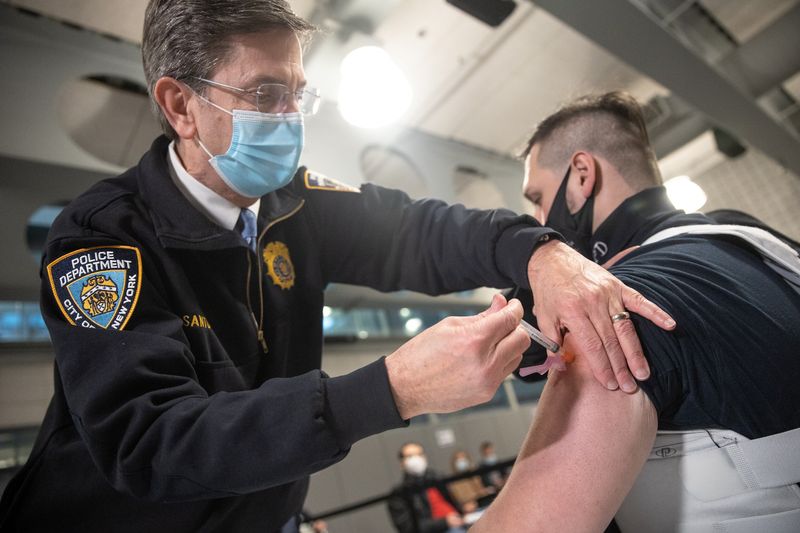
(468, 491)
(429, 510)
(710, 441)
(494, 479)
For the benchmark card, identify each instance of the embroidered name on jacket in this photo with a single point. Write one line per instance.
(97, 287)
(195, 321)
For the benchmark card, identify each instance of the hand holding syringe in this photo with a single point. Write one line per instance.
(555, 361)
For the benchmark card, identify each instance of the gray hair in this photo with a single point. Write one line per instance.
(611, 125)
(188, 39)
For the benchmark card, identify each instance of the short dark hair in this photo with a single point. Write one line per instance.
(611, 125)
(486, 444)
(188, 39)
(400, 453)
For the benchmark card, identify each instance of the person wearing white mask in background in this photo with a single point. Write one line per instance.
(493, 479)
(420, 503)
(470, 490)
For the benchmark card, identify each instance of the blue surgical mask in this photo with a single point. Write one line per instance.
(264, 151)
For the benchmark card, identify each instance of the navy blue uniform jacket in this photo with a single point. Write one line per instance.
(199, 404)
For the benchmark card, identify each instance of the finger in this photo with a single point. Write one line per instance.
(640, 305)
(512, 364)
(601, 321)
(499, 324)
(551, 329)
(511, 347)
(508, 352)
(586, 341)
(634, 354)
(498, 303)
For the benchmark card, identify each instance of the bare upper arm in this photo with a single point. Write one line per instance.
(580, 458)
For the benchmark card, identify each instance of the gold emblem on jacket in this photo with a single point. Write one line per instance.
(279, 264)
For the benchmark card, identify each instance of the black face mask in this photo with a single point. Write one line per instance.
(576, 228)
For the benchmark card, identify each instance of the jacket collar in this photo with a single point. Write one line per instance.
(178, 224)
(637, 218)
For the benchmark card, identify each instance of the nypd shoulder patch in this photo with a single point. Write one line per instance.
(315, 180)
(97, 287)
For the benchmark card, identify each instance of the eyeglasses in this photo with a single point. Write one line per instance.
(275, 97)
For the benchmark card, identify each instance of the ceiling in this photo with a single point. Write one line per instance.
(452, 61)
(476, 84)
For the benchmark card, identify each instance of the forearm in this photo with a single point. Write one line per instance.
(579, 460)
(157, 434)
(389, 242)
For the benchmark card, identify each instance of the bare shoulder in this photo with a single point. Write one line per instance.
(591, 405)
(581, 456)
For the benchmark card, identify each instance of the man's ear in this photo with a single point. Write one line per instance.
(173, 97)
(587, 171)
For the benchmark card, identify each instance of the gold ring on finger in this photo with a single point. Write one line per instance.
(620, 316)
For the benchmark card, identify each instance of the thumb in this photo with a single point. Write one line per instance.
(500, 323)
(498, 303)
(550, 330)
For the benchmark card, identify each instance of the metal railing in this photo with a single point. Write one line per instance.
(407, 493)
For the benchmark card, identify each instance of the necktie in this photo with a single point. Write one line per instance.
(247, 222)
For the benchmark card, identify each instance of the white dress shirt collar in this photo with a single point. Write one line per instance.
(215, 207)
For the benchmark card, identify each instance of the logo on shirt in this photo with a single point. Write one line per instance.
(97, 287)
(315, 180)
(279, 264)
(599, 251)
(665, 452)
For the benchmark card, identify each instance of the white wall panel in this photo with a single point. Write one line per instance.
(26, 386)
(755, 184)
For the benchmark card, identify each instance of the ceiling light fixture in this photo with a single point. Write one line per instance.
(373, 91)
(685, 194)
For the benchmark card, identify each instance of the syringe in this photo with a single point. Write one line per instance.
(539, 337)
(555, 361)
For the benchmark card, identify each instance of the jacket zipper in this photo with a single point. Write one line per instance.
(260, 323)
(250, 305)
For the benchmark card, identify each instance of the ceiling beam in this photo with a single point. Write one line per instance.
(766, 60)
(637, 39)
(680, 131)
